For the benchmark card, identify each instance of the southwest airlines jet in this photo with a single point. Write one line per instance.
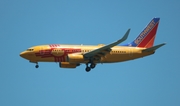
(71, 56)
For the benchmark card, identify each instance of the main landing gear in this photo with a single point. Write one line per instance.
(88, 68)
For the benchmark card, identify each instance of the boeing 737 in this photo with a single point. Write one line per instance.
(71, 56)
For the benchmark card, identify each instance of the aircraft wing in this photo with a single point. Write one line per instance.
(106, 48)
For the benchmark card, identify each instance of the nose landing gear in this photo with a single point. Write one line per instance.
(36, 66)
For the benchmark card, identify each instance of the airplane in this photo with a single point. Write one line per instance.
(72, 56)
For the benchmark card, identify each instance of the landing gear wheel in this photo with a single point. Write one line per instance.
(93, 65)
(88, 69)
(37, 66)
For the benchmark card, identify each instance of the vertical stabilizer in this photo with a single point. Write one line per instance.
(147, 36)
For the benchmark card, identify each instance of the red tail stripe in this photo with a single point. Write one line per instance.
(148, 37)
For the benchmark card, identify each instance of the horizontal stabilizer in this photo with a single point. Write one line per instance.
(153, 48)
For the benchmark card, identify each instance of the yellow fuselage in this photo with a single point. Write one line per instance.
(59, 53)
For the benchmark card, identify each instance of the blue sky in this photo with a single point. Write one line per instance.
(149, 81)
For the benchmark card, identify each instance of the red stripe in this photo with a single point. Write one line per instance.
(46, 56)
(148, 37)
(62, 59)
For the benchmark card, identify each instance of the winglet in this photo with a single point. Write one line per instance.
(120, 40)
(153, 48)
(125, 36)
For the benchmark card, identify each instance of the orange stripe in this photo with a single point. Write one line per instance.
(150, 43)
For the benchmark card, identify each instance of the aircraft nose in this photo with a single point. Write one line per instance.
(23, 54)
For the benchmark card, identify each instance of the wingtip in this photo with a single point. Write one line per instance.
(127, 33)
(164, 43)
(129, 29)
(125, 36)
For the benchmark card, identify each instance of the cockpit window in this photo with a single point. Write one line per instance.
(29, 49)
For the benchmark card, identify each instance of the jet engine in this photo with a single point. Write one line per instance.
(75, 58)
(67, 65)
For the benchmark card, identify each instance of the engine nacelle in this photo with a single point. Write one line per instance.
(75, 58)
(67, 65)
